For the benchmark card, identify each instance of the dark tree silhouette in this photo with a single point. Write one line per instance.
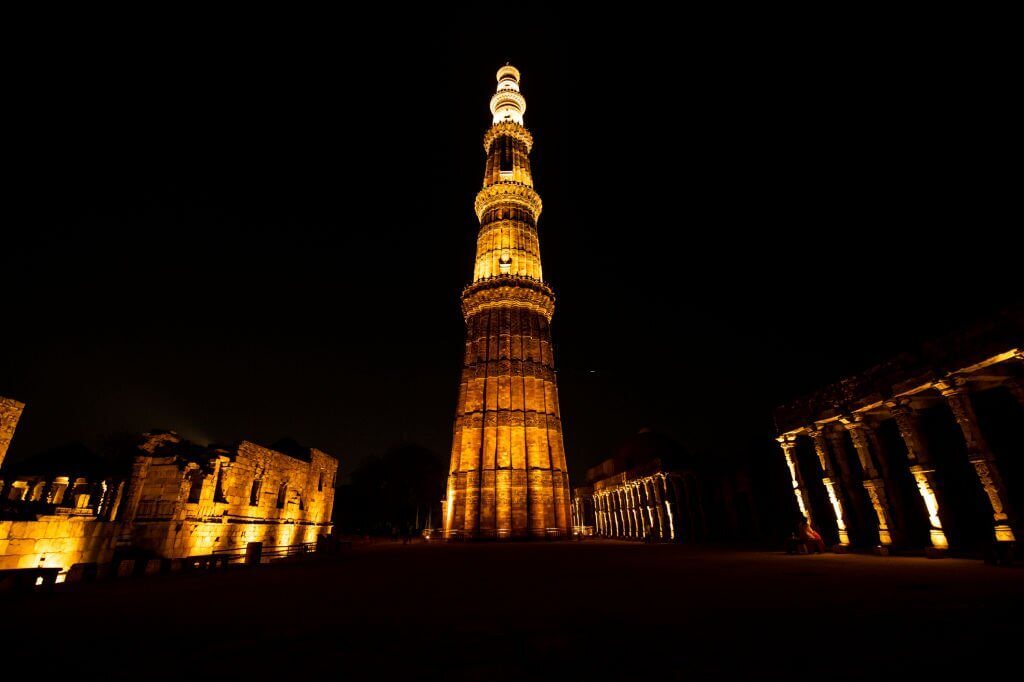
(397, 491)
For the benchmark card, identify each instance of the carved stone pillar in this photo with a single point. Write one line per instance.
(667, 493)
(920, 466)
(659, 509)
(832, 485)
(855, 493)
(980, 457)
(897, 504)
(639, 510)
(625, 519)
(873, 482)
(616, 517)
(788, 443)
(631, 502)
(627, 511)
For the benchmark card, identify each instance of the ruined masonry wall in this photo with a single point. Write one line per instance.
(164, 523)
(56, 541)
(187, 538)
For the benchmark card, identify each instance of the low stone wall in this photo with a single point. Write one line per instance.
(56, 541)
(179, 539)
(62, 541)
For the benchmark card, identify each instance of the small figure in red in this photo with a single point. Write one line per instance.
(807, 535)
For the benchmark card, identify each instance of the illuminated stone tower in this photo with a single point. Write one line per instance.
(507, 476)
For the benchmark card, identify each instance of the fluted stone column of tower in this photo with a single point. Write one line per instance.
(507, 477)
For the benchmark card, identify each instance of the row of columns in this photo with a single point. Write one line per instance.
(641, 508)
(103, 496)
(830, 449)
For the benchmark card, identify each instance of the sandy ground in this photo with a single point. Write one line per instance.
(589, 610)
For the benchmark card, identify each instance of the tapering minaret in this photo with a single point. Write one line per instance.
(507, 476)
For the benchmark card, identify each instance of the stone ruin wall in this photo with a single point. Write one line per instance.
(176, 540)
(10, 413)
(167, 524)
(158, 517)
(56, 541)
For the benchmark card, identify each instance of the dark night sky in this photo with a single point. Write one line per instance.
(259, 228)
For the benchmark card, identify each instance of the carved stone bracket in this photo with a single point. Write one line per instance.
(858, 434)
(821, 449)
(907, 423)
(959, 401)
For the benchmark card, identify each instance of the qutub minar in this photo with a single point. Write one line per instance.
(507, 477)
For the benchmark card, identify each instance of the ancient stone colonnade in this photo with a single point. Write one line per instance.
(853, 413)
(643, 507)
(648, 501)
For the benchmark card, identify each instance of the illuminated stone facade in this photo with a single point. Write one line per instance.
(10, 413)
(181, 505)
(56, 541)
(508, 475)
(170, 499)
(868, 442)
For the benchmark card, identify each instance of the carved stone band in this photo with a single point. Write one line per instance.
(508, 368)
(508, 292)
(529, 418)
(508, 193)
(511, 129)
